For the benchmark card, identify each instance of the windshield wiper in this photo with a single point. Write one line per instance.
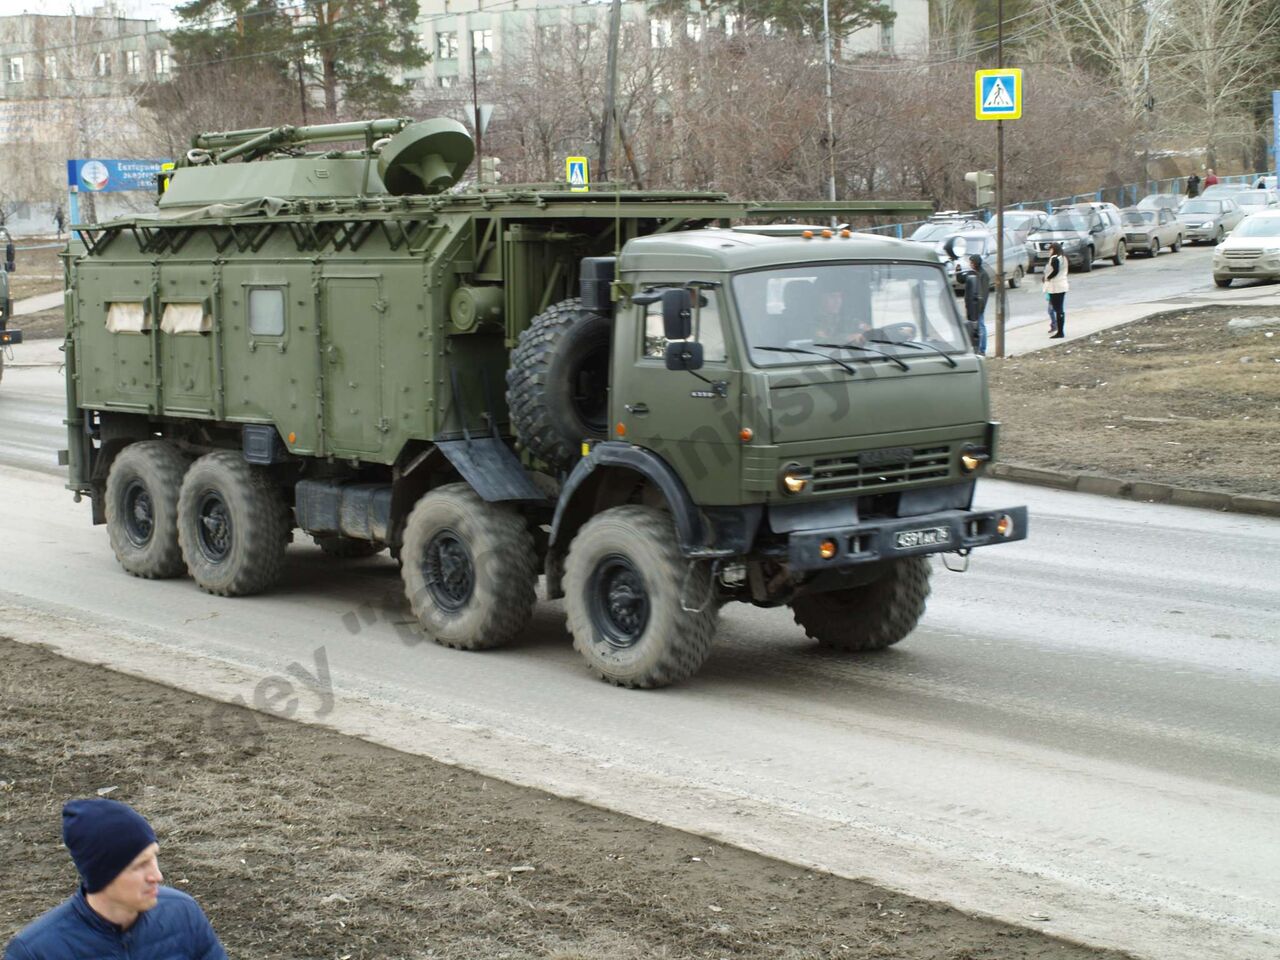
(857, 346)
(918, 345)
(815, 353)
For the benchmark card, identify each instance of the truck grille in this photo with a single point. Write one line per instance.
(873, 469)
(1242, 253)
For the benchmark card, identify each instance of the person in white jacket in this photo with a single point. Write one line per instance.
(1055, 287)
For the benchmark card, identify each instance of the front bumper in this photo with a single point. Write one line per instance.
(1199, 233)
(894, 538)
(1265, 266)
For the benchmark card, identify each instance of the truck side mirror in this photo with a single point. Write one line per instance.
(677, 315)
(955, 247)
(684, 355)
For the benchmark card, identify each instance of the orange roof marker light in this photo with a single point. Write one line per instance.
(807, 234)
(846, 233)
(827, 234)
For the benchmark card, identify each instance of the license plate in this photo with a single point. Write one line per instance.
(926, 537)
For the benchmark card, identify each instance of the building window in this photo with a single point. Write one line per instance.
(582, 35)
(886, 38)
(660, 33)
(730, 23)
(163, 62)
(102, 65)
(50, 67)
(693, 30)
(447, 45)
(444, 83)
(549, 35)
(14, 72)
(481, 43)
(132, 62)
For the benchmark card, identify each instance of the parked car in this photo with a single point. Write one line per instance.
(1160, 201)
(942, 225)
(983, 243)
(1252, 201)
(1023, 223)
(1252, 250)
(1150, 230)
(1087, 232)
(1225, 189)
(1208, 220)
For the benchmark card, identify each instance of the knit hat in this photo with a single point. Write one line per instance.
(103, 837)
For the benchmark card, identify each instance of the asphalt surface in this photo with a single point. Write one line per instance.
(1079, 737)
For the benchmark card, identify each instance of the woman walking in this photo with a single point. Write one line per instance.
(1055, 288)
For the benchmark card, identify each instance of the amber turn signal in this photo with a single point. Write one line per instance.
(1004, 526)
(746, 434)
(827, 549)
(807, 234)
(621, 429)
(293, 438)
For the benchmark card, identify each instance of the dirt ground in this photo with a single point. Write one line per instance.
(38, 269)
(1173, 399)
(302, 843)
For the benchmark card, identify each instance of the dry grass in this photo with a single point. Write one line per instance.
(1172, 399)
(38, 271)
(302, 843)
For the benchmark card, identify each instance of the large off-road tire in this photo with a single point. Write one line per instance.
(233, 525)
(626, 589)
(557, 384)
(469, 568)
(348, 548)
(870, 617)
(142, 509)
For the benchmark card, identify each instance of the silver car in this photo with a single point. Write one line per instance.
(1148, 231)
(1253, 201)
(1208, 220)
(1251, 252)
(1157, 201)
(984, 245)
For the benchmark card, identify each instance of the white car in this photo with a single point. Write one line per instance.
(1252, 250)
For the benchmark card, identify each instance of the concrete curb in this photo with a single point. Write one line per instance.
(1141, 490)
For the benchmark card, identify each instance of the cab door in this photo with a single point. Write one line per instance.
(692, 423)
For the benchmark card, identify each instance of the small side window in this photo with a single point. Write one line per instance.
(185, 318)
(708, 329)
(266, 312)
(128, 317)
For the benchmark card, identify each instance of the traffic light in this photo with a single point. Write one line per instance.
(984, 187)
(489, 172)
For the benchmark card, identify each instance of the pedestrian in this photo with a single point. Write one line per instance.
(1210, 178)
(1193, 185)
(59, 220)
(1055, 290)
(976, 290)
(120, 910)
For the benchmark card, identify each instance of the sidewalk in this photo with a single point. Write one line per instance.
(45, 301)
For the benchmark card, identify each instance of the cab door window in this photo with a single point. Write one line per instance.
(708, 328)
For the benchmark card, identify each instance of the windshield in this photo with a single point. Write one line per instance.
(1139, 219)
(1258, 227)
(1017, 219)
(1252, 198)
(845, 303)
(1201, 206)
(1073, 222)
(936, 231)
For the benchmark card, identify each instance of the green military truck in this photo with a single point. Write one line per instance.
(642, 397)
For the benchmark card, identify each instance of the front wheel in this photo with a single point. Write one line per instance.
(1222, 281)
(1155, 249)
(641, 615)
(1177, 243)
(1118, 259)
(1086, 260)
(1015, 280)
(869, 617)
(233, 525)
(469, 569)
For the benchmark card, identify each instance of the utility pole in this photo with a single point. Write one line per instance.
(831, 130)
(475, 107)
(1000, 301)
(611, 87)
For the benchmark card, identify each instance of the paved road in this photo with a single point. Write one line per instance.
(1082, 730)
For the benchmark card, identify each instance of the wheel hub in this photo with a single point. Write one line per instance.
(619, 601)
(448, 570)
(213, 526)
(139, 514)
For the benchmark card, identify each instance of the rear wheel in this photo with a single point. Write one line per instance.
(233, 525)
(628, 592)
(142, 509)
(1177, 243)
(870, 617)
(469, 569)
(1016, 279)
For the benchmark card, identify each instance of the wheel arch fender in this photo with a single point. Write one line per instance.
(610, 475)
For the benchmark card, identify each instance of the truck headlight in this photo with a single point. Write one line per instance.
(971, 458)
(795, 478)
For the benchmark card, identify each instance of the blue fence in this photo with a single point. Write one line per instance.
(1125, 195)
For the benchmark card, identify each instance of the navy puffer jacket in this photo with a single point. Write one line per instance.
(174, 929)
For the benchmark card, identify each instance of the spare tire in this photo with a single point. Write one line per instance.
(558, 383)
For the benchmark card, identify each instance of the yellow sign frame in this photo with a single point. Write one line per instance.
(1013, 79)
(569, 164)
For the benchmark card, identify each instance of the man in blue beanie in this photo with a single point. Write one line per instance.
(120, 910)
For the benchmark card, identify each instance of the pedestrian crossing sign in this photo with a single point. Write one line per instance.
(998, 94)
(575, 171)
